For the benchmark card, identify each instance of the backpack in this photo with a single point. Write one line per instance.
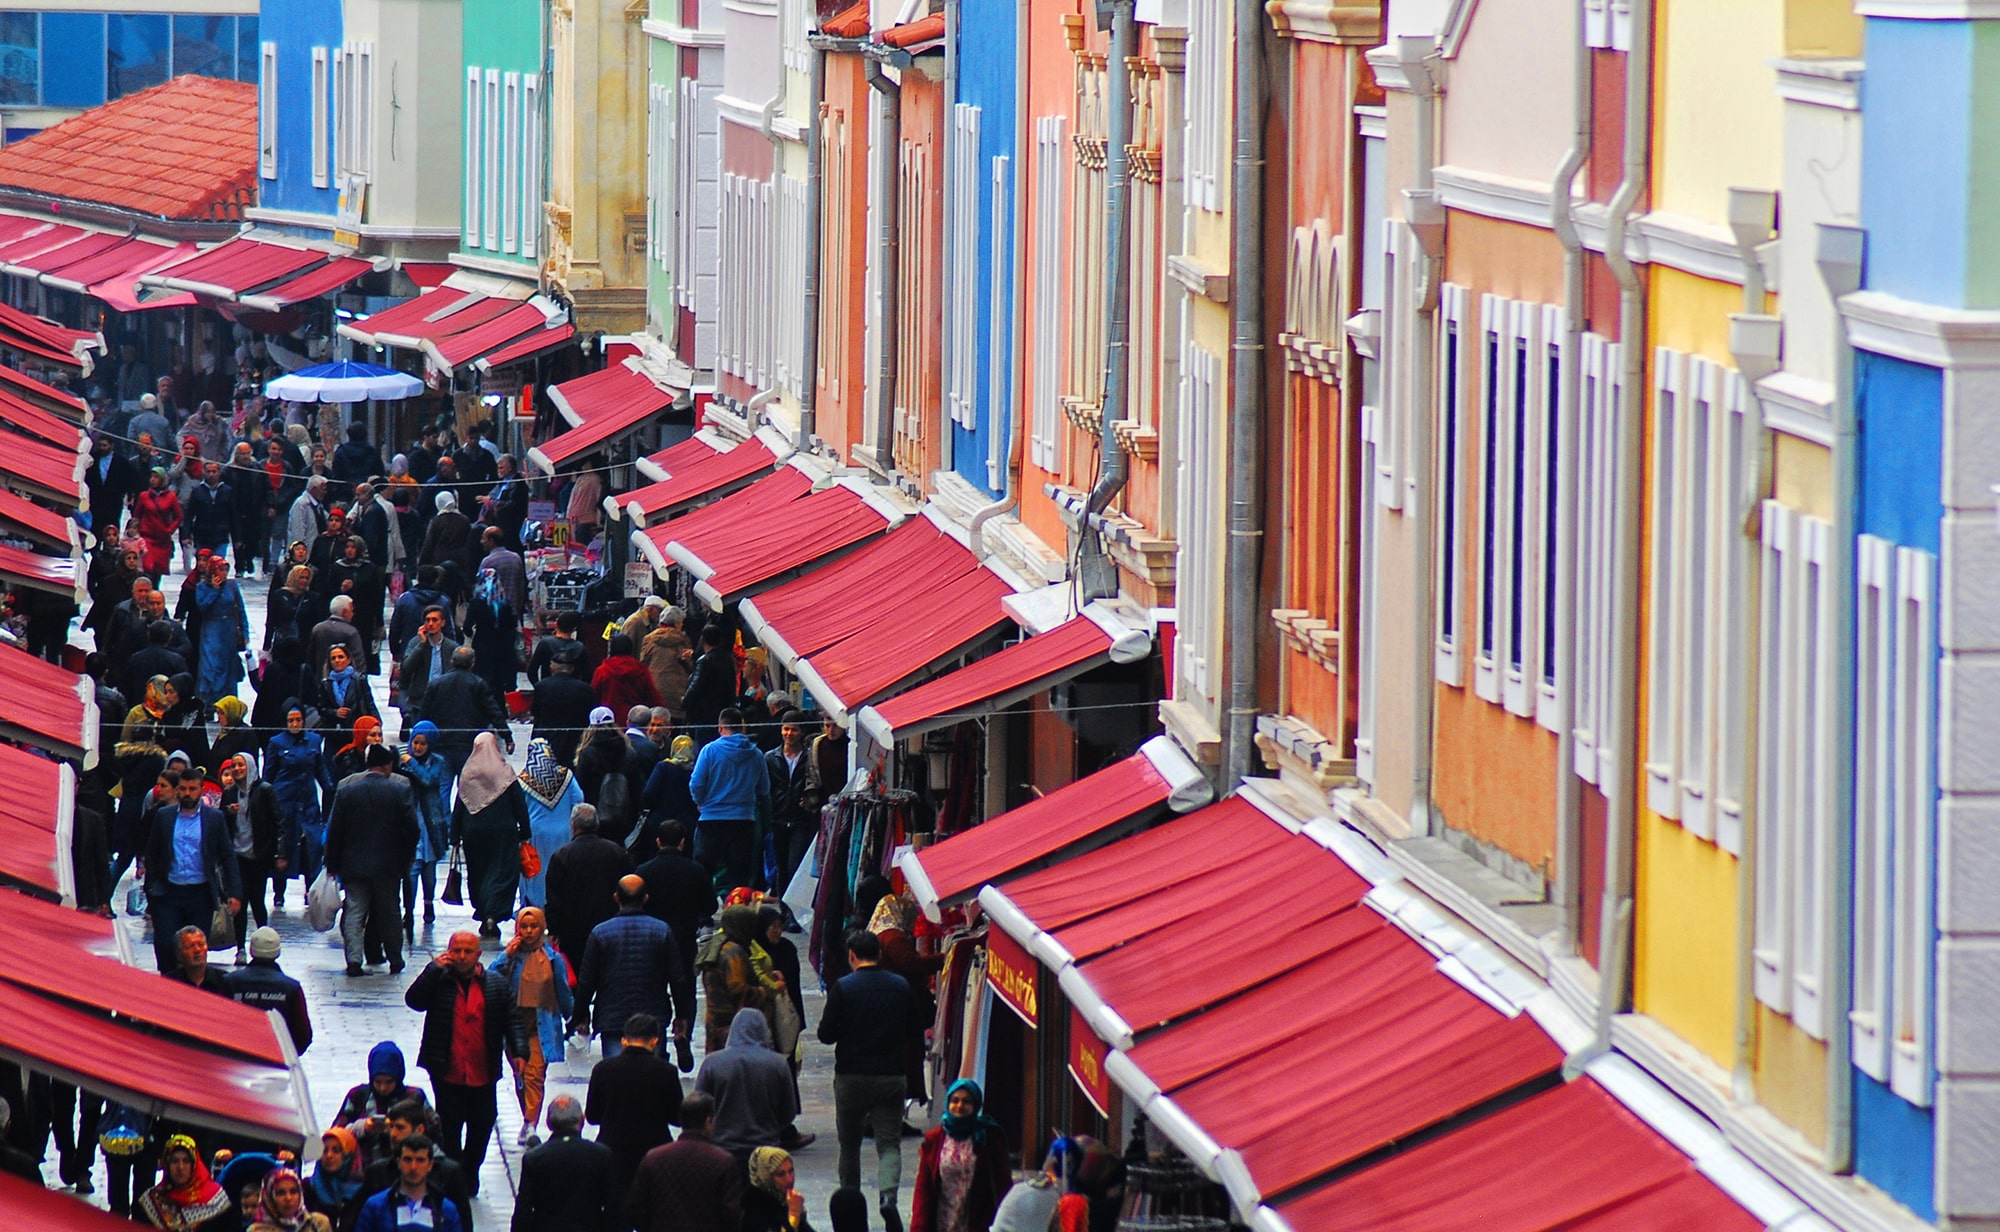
(615, 805)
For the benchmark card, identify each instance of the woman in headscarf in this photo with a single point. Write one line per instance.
(281, 1206)
(667, 796)
(367, 731)
(493, 630)
(183, 477)
(772, 1203)
(552, 792)
(361, 579)
(295, 766)
(277, 681)
(156, 515)
(232, 735)
(335, 1188)
(539, 978)
(187, 718)
(327, 547)
(291, 583)
(142, 753)
(251, 809)
(430, 776)
(728, 977)
(225, 629)
(399, 473)
(490, 819)
(343, 696)
(962, 1169)
(187, 1197)
(449, 543)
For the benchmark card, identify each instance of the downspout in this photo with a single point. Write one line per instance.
(1243, 546)
(954, 239)
(1113, 468)
(1562, 220)
(1621, 829)
(815, 226)
(1017, 405)
(887, 245)
(1425, 222)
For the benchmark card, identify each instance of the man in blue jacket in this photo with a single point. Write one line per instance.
(191, 867)
(412, 1202)
(732, 790)
(630, 966)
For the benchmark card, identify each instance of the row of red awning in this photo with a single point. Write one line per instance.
(456, 329)
(1285, 1061)
(601, 409)
(259, 274)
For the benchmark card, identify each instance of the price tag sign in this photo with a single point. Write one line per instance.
(638, 580)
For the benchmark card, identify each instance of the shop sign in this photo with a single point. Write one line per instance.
(542, 511)
(1086, 1064)
(1011, 972)
(638, 579)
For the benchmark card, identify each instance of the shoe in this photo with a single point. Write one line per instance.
(793, 1140)
(242, 956)
(396, 968)
(430, 914)
(527, 1132)
(891, 1221)
(684, 1056)
(354, 971)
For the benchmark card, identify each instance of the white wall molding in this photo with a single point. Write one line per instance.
(1922, 333)
(1705, 250)
(1494, 196)
(680, 36)
(1820, 83)
(1929, 10)
(1372, 122)
(1797, 406)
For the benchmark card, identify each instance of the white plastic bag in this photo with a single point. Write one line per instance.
(323, 902)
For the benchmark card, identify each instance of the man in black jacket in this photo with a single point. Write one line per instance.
(263, 985)
(190, 868)
(563, 702)
(371, 837)
(583, 883)
(469, 1026)
(110, 480)
(712, 686)
(793, 828)
(869, 1018)
(680, 893)
(407, 1119)
(567, 1183)
(250, 496)
(634, 1099)
(211, 511)
(462, 706)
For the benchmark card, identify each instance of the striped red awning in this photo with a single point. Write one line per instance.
(55, 575)
(229, 270)
(526, 347)
(469, 312)
(45, 339)
(520, 321)
(664, 465)
(33, 261)
(47, 707)
(53, 472)
(35, 814)
(311, 284)
(29, 520)
(602, 407)
(703, 477)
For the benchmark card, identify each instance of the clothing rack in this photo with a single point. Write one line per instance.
(859, 832)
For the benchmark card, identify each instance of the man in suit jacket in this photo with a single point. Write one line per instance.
(425, 659)
(634, 1099)
(793, 825)
(566, 1183)
(190, 868)
(371, 837)
(692, 1183)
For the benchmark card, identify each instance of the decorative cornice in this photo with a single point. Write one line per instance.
(680, 36)
(1797, 406)
(1372, 122)
(1922, 333)
(1820, 83)
(1929, 10)
(1493, 196)
(1199, 279)
(1317, 21)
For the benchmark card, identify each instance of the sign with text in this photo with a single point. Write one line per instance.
(1086, 1064)
(1011, 970)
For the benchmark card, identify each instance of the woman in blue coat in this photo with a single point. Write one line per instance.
(539, 979)
(430, 778)
(552, 792)
(225, 631)
(295, 767)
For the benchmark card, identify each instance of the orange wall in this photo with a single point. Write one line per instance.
(840, 412)
(920, 256)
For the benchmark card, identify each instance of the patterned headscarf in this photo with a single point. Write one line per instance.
(764, 1164)
(191, 1205)
(543, 776)
(267, 1203)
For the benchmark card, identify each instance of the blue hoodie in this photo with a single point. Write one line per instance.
(730, 780)
(386, 1058)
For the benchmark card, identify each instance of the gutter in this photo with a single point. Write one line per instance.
(1243, 544)
(1115, 467)
(887, 246)
(1621, 829)
(815, 202)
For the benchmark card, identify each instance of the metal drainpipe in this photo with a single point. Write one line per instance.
(1243, 546)
(1562, 219)
(815, 193)
(1423, 404)
(954, 239)
(1113, 467)
(1621, 829)
(886, 248)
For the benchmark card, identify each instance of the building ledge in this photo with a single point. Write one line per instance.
(1199, 279)
(1318, 21)
(680, 36)
(1309, 635)
(1301, 755)
(1191, 730)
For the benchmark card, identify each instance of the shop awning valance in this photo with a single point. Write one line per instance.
(23, 517)
(21, 385)
(704, 477)
(235, 268)
(45, 339)
(1007, 676)
(1124, 794)
(35, 814)
(414, 313)
(53, 472)
(37, 1208)
(758, 536)
(664, 465)
(55, 575)
(470, 313)
(529, 345)
(523, 320)
(601, 408)
(45, 706)
(29, 419)
(64, 928)
(311, 284)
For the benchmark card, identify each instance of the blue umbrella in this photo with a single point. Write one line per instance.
(344, 382)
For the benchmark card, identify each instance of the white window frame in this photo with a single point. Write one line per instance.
(321, 106)
(1777, 829)
(687, 138)
(961, 268)
(1200, 408)
(531, 164)
(474, 154)
(1490, 482)
(1736, 482)
(1665, 570)
(510, 163)
(1392, 413)
(491, 141)
(1600, 486)
(267, 110)
(1052, 159)
(1874, 803)
(1698, 509)
(1000, 342)
(1526, 425)
(1207, 105)
(1916, 823)
(1556, 513)
(1455, 337)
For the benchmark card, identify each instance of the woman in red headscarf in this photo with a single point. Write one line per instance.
(367, 731)
(187, 1197)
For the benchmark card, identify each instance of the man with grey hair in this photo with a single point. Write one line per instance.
(338, 629)
(462, 705)
(566, 1183)
(645, 754)
(306, 520)
(583, 883)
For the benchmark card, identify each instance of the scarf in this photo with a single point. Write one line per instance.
(545, 778)
(892, 914)
(538, 989)
(362, 726)
(341, 681)
(486, 776)
(974, 1126)
(232, 710)
(764, 1164)
(267, 1205)
(335, 1189)
(194, 1203)
(156, 696)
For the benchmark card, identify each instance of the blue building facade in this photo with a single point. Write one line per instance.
(58, 60)
(299, 39)
(983, 115)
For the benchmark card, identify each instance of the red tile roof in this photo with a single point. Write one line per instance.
(915, 33)
(850, 22)
(186, 150)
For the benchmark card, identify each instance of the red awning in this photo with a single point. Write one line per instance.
(45, 706)
(229, 270)
(76, 932)
(45, 339)
(14, 226)
(1570, 1158)
(36, 1208)
(849, 654)
(49, 398)
(29, 419)
(516, 322)
(38, 239)
(602, 408)
(734, 555)
(54, 472)
(428, 274)
(664, 465)
(312, 284)
(702, 478)
(55, 575)
(35, 814)
(25, 517)
(126, 256)
(410, 314)
(526, 347)
(475, 310)
(1003, 678)
(1018, 841)
(153, 1072)
(31, 260)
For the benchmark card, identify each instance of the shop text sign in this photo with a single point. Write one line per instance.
(1011, 972)
(1086, 1064)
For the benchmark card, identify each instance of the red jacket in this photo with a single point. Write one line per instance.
(990, 1179)
(623, 682)
(158, 514)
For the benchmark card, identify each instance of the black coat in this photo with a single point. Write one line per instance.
(681, 893)
(711, 688)
(562, 710)
(462, 706)
(372, 828)
(434, 994)
(635, 1102)
(211, 515)
(582, 880)
(360, 704)
(567, 1185)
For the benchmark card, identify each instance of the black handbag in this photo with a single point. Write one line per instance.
(454, 881)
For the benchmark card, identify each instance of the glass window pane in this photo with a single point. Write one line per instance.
(135, 52)
(20, 59)
(205, 46)
(73, 66)
(246, 49)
